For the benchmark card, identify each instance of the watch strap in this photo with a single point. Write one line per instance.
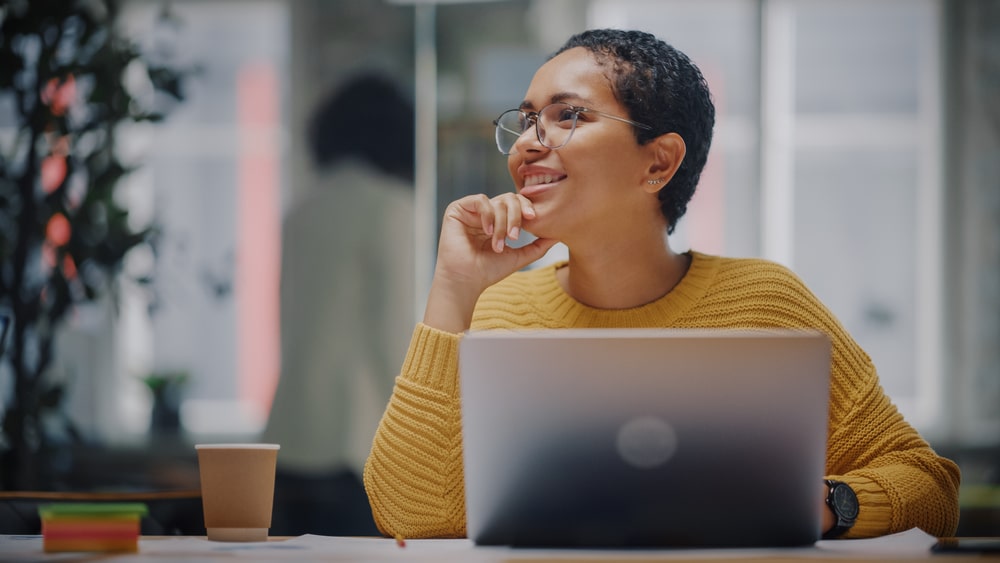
(845, 516)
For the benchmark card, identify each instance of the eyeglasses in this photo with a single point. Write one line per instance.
(554, 124)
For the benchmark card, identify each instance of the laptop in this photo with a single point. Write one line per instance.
(644, 437)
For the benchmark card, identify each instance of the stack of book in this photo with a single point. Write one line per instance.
(91, 526)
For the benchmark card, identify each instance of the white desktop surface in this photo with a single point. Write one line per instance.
(909, 545)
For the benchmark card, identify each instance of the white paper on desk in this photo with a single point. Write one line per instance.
(198, 548)
(911, 542)
(378, 549)
(308, 547)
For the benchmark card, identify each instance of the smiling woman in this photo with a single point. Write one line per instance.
(612, 191)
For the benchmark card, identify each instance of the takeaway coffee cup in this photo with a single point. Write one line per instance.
(237, 489)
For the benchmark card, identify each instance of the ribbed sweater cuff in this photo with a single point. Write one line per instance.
(875, 515)
(432, 359)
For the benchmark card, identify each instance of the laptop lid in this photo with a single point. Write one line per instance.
(644, 437)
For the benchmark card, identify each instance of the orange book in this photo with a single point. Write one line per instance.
(110, 527)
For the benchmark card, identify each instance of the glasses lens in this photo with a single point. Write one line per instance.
(510, 125)
(555, 124)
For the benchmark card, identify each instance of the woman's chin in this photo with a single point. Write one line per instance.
(533, 229)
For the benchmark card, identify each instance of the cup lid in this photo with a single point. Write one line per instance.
(237, 446)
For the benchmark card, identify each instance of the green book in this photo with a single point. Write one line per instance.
(93, 509)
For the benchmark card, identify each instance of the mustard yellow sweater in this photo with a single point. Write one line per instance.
(414, 474)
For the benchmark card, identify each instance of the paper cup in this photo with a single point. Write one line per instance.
(237, 489)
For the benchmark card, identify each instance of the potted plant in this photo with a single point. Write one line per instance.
(63, 234)
(165, 388)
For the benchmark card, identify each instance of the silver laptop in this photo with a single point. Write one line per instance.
(644, 437)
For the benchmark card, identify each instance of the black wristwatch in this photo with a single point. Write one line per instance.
(844, 503)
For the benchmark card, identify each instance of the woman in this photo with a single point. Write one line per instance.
(605, 152)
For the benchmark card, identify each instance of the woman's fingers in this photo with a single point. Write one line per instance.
(499, 218)
(472, 211)
(510, 211)
(499, 227)
(527, 208)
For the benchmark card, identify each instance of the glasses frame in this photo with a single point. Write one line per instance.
(531, 117)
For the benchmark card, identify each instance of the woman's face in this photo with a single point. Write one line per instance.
(597, 180)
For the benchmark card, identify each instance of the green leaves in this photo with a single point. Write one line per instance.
(63, 235)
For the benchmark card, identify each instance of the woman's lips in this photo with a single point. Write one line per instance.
(538, 183)
(534, 179)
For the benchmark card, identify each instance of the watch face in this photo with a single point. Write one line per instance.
(845, 502)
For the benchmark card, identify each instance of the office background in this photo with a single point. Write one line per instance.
(856, 142)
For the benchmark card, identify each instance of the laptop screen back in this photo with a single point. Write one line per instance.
(644, 437)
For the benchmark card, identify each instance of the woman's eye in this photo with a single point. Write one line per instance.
(566, 115)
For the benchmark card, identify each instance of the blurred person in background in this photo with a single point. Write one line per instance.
(346, 306)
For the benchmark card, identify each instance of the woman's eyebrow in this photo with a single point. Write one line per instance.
(558, 97)
(564, 96)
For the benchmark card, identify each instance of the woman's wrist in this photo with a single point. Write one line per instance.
(450, 306)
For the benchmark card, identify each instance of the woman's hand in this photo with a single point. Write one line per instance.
(829, 519)
(473, 255)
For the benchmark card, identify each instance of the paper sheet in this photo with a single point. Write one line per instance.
(909, 543)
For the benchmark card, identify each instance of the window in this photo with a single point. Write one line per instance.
(828, 124)
(210, 179)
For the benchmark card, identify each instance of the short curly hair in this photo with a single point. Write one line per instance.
(662, 88)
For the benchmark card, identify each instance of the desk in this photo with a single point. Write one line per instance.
(909, 546)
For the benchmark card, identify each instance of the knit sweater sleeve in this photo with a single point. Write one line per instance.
(414, 476)
(901, 482)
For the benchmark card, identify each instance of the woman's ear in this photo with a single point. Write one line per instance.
(668, 152)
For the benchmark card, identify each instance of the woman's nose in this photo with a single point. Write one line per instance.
(529, 140)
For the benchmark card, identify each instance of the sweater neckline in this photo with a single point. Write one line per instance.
(660, 312)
